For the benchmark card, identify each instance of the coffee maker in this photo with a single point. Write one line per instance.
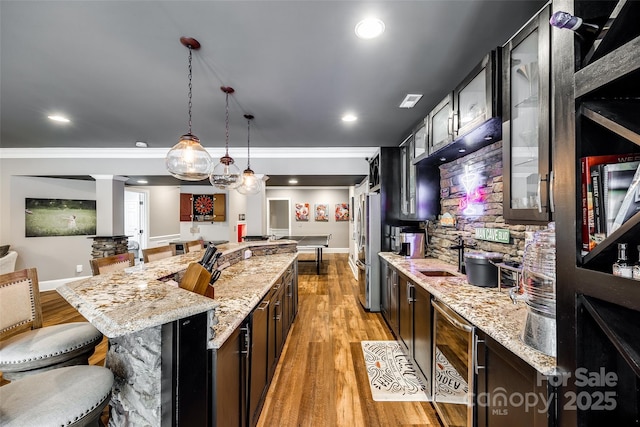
(412, 243)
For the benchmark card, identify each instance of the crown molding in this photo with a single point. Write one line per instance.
(160, 153)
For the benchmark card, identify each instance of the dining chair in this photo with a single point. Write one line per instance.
(112, 263)
(194, 245)
(161, 252)
(26, 347)
(196, 279)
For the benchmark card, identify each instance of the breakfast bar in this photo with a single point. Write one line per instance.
(161, 336)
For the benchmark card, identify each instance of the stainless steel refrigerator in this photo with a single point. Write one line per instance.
(368, 239)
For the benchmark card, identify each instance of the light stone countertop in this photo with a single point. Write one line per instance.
(134, 299)
(486, 308)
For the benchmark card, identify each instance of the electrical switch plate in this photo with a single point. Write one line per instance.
(194, 229)
(79, 268)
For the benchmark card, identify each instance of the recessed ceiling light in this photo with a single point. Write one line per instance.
(369, 28)
(462, 150)
(142, 181)
(443, 159)
(141, 144)
(58, 118)
(410, 100)
(293, 181)
(349, 118)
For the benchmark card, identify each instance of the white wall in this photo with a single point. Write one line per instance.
(339, 230)
(57, 256)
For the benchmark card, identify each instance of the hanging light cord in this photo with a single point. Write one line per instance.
(190, 87)
(248, 139)
(226, 126)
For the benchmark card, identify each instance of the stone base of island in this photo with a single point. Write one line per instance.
(166, 344)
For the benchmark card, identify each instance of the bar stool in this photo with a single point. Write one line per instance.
(193, 246)
(26, 347)
(112, 263)
(70, 396)
(161, 252)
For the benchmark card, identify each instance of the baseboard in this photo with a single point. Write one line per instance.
(354, 268)
(50, 285)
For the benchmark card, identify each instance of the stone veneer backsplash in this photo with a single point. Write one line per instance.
(487, 163)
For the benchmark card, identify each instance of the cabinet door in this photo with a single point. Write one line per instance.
(186, 205)
(441, 125)
(422, 333)
(504, 379)
(393, 301)
(405, 327)
(526, 129)
(259, 366)
(476, 98)
(219, 207)
(229, 377)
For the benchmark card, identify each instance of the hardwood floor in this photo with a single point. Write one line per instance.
(321, 379)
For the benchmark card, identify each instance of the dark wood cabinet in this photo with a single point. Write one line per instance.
(203, 207)
(415, 324)
(510, 392)
(526, 128)
(259, 362)
(389, 306)
(597, 88)
(229, 380)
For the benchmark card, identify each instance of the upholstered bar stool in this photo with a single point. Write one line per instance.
(70, 396)
(193, 245)
(26, 347)
(112, 263)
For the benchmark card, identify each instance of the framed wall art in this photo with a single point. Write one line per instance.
(322, 212)
(302, 211)
(59, 217)
(342, 212)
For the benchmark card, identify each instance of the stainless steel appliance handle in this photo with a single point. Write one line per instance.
(454, 322)
(410, 298)
(538, 194)
(552, 184)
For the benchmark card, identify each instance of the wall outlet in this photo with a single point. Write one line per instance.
(79, 268)
(194, 230)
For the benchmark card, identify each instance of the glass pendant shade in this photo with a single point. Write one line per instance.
(226, 175)
(251, 184)
(188, 160)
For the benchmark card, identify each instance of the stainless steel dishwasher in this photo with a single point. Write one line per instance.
(454, 366)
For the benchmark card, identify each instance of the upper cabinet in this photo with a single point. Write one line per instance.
(408, 178)
(478, 97)
(203, 207)
(468, 118)
(528, 179)
(440, 122)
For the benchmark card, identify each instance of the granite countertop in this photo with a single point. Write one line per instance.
(134, 299)
(487, 308)
(240, 289)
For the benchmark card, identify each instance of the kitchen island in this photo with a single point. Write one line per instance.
(160, 336)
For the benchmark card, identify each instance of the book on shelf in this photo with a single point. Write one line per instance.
(597, 231)
(586, 163)
(616, 179)
(630, 204)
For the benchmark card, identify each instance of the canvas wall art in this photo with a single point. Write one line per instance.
(59, 217)
(302, 211)
(322, 212)
(342, 212)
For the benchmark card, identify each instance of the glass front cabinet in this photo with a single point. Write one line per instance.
(528, 179)
(440, 124)
(408, 178)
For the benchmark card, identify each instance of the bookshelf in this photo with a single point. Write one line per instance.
(596, 110)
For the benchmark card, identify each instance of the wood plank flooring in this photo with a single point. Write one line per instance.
(321, 379)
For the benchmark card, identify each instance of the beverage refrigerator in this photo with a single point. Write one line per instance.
(368, 238)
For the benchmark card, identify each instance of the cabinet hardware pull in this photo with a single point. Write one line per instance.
(263, 306)
(538, 194)
(410, 298)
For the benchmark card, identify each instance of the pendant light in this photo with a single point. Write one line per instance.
(226, 175)
(251, 184)
(188, 160)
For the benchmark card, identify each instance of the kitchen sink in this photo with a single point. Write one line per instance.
(436, 273)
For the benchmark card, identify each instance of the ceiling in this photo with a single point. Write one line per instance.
(118, 70)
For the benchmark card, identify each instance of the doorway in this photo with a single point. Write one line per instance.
(135, 220)
(278, 217)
